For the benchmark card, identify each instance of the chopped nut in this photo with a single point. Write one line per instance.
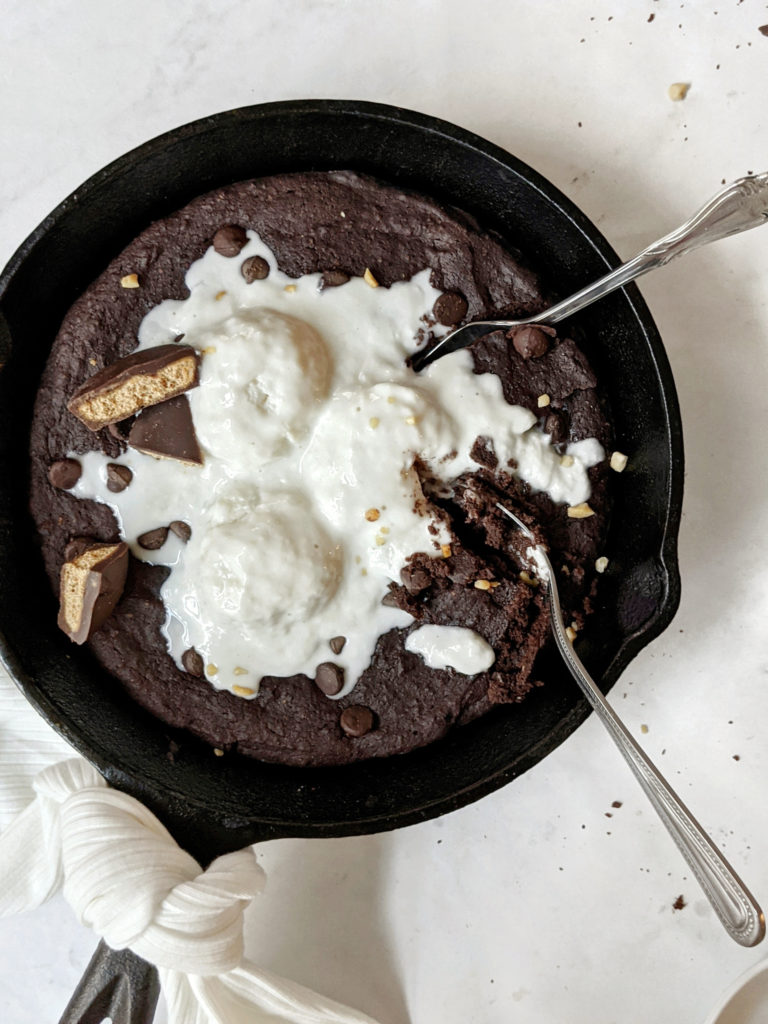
(582, 511)
(290, 288)
(383, 529)
(380, 541)
(372, 515)
(494, 584)
(482, 584)
(211, 669)
(678, 90)
(342, 214)
(567, 460)
(219, 295)
(543, 400)
(218, 752)
(643, 728)
(391, 399)
(370, 279)
(363, 572)
(243, 691)
(411, 421)
(570, 632)
(129, 281)
(575, 627)
(445, 550)
(601, 564)
(93, 362)
(619, 461)
(528, 580)
(208, 350)
(239, 671)
(373, 422)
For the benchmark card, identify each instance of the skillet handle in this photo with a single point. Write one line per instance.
(116, 984)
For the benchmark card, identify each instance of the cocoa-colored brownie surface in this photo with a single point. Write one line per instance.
(396, 235)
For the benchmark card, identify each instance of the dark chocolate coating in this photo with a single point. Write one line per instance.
(397, 235)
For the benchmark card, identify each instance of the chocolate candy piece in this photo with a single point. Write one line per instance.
(414, 580)
(91, 585)
(118, 477)
(229, 240)
(182, 530)
(65, 473)
(254, 269)
(450, 308)
(333, 279)
(529, 341)
(152, 540)
(193, 662)
(356, 720)
(336, 644)
(167, 432)
(329, 678)
(140, 380)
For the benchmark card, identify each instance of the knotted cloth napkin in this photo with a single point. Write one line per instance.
(126, 877)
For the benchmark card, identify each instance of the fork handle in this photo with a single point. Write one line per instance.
(738, 207)
(733, 903)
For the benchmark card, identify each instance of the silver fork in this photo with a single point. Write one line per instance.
(739, 206)
(733, 903)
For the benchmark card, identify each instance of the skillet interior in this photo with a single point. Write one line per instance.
(222, 803)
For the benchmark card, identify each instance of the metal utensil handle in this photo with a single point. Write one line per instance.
(737, 909)
(116, 984)
(738, 207)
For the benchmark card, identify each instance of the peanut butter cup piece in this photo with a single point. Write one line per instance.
(91, 584)
(356, 720)
(140, 380)
(167, 432)
(229, 240)
(255, 268)
(329, 678)
(65, 473)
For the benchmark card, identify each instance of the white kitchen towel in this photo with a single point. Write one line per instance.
(126, 877)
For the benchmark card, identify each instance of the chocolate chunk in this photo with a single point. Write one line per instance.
(450, 308)
(229, 240)
(121, 429)
(390, 600)
(337, 644)
(414, 580)
(152, 540)
(167, 432)
(193, 662)
(77, 546)
(118, 477)
(329, 678)
(333, 279)
(763, 29)
(356, 720)
(531, 342)
(182, 530)
(255, 268)
(556, 425)
(65, 473)
(140, 380)
(91, 584)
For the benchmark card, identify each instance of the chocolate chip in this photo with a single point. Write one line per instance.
(450, 308)
(414, 580)
(193, 662)
(356, 720)
(153, 539)
(182, 530)
(337, 644)
(254, 269)
(229, 240)
(556, 426)
(329, 678)
(530, 342)
(763, 29)
(389, 600)
(118, 477)
(333, 279)
(65, 473)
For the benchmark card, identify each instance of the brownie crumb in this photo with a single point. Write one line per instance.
(679, 903)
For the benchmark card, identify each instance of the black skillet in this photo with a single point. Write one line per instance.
(213, 805)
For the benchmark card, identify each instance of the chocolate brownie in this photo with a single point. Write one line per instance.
(339, 224)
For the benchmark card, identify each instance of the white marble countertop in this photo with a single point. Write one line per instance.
(531, 905)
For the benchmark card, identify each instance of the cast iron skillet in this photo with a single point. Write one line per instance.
(213, 805)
